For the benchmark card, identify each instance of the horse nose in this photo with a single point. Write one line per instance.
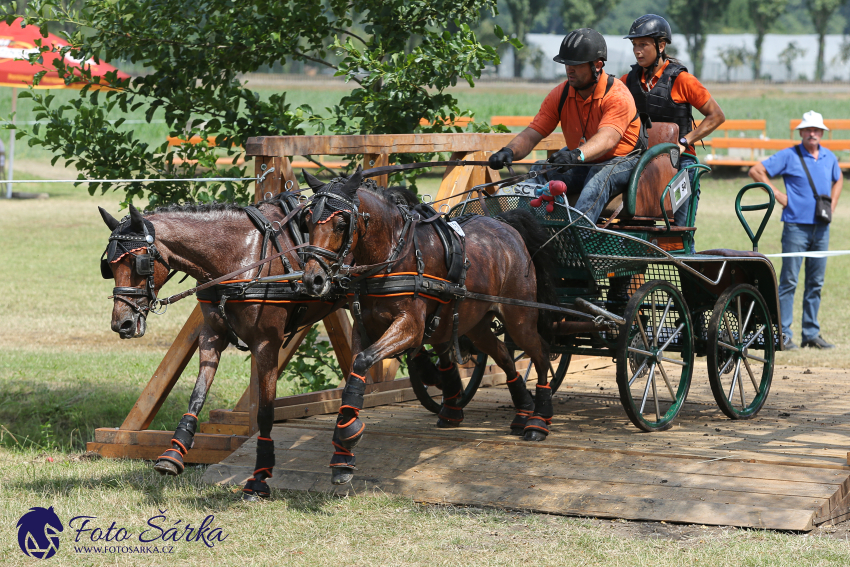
(127, 328)
(317, 284)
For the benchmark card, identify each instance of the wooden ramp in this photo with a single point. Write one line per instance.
(786, 469)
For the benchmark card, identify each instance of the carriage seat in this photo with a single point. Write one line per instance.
(649, 179)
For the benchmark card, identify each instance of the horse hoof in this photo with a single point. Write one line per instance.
(166, 468)
(445, 424)
(534, 435)
(517, 432)
(341, 475)
(246, 497)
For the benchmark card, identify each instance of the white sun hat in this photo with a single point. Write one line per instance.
(812, 119)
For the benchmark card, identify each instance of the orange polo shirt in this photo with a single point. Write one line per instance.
(686, 87)
(582, 118)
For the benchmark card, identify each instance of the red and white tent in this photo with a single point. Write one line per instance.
(16, 44)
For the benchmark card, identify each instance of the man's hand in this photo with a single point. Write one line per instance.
(502, 158)
(566, 157)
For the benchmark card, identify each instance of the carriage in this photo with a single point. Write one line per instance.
(721, 304)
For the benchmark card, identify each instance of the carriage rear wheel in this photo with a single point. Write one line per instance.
(655, 356)
(740, 324)
(431, 398)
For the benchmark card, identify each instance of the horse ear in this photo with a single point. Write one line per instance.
(353, 183)
(136, 220)
(311, 181)
(110, 221)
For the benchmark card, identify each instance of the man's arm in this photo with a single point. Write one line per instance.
(714, 117)
(836, 190)
(524, 142)
(601, 143)
(759, 174)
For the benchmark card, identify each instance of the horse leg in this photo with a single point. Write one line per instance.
(451, 412)
(265, 358)
(422, 367)
(404, 333)
(211, 344)
(522, 327)
(484, 339)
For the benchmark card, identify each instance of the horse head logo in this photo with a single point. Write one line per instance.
(38, 532)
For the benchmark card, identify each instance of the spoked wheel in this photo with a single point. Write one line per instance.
(558, 372)
(740, 378)
(431, 398)
(655, 356)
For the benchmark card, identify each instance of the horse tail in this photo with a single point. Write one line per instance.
(534, 237)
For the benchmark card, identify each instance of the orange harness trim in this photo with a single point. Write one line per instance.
(346, 424)
(362, 378)
(408, 274)
(118, 259)
(263, 438)
(426, 296)
(447, 368)
(182, 446)
(354, 409)
(268, 469)
(544, 386)
(514, 379)
(271, 301)
(341, 450)
(191, 414)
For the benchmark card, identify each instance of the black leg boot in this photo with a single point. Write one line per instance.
(256, 487)
(523, 402)
(171, 461)
(537, 427)
(348, 430)
(451, 412)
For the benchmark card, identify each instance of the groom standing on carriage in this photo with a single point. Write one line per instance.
(600, 122)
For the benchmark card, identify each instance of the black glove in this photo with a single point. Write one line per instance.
(566, 157)
(502, 158)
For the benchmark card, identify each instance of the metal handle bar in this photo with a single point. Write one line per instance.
(754, 238)
(700, 167)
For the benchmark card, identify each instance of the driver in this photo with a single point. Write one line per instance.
(664, 91)
(600, 124)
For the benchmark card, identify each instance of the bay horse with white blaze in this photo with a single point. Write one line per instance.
(206, 242)
(347, 215)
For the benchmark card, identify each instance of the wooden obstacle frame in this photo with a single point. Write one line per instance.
(226, 429)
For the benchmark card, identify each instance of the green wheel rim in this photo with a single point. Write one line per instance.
(655, 356)
(741, 350)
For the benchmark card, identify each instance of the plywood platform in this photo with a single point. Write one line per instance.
(786, 469)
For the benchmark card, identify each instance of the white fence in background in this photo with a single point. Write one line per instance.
(620, 57)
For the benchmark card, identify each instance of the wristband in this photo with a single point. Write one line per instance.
(581, 155)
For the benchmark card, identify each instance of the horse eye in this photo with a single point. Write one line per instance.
(341, 226)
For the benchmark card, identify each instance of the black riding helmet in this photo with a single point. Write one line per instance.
(652, 26)
(582, 46)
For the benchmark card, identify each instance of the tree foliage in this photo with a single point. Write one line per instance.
(764, 14)
(696, 19)
(821, 12)
(197, 51)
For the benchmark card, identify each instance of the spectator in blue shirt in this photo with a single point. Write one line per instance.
(801, 232)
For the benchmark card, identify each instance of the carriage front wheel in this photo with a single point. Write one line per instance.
(431, 398)
(655, 356)
(740, 351)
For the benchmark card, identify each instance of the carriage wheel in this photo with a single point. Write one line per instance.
(739, 325)
(557, 373)
(654, 381)
(431, 398)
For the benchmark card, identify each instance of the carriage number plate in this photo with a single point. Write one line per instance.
(680, 190)
(456, 227)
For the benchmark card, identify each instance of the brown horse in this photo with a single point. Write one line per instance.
(206, 242)
(347, 216)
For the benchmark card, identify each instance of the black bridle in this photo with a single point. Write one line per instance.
(144, 265)
(350, 210)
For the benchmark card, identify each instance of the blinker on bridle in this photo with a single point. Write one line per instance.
(321, 200)
(144, 265)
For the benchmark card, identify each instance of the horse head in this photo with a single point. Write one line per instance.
(139, 271)
(335, 223)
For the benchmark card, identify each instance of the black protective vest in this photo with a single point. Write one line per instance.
(657, 105)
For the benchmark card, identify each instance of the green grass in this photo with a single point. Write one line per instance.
(297, 528)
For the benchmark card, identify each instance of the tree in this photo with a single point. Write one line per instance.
(695, 18)
(734, 57)
(788, 55)
(523, 14)
(584, 13)
(196, 51)
(763, 13)
(821, 12)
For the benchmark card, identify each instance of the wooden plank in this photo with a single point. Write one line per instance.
(387, 143)
(287, 174)
(338, 328)
(227, 417)
(224, 429)
(336, 393)
(272, 183)
(455, 180)
(163, 439)
(377, 160)
(120, 451)
(167, 373)
(332, 406)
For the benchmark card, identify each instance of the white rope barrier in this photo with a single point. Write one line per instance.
(818, 254)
